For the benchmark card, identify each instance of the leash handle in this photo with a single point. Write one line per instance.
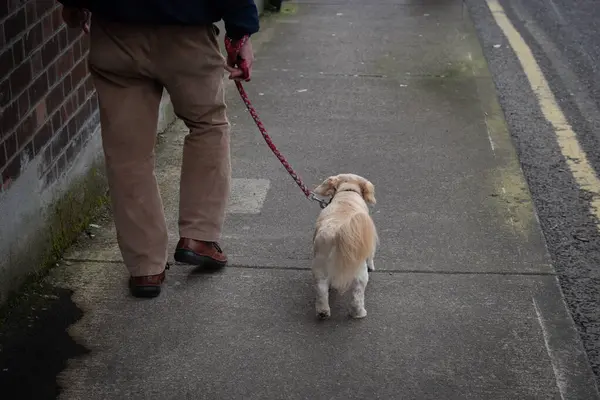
(233, 55)
(233, 50)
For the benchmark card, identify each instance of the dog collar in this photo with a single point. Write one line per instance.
(349, 190)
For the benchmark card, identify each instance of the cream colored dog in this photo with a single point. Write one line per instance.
(344, 242)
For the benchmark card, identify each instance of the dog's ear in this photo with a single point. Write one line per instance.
(327, 188)
(368, 191)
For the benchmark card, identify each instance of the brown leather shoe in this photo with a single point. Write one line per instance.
(147, 286)
(200, 253)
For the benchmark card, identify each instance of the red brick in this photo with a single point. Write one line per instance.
(33, 38)
(9, 119)
(72, 150)
(73, 35)
(2, 35)
(62, 39)
(54, 99)
(10, 144)
(37, 66)
(57, 121)
(67, 85)
(25, 130)
(59, 142)
(50, 177)
(47, 28)
(5, 94)
(7, 62)
(41, 115)
(4, 9)
(61, 164)
(69, 107)
(44, 7)
(15, 25)
(31, 12)
(94, 101)
(82, 116)
(18, 52)
(77, 53)
(65, 63)
(79, 73)
(89, 85)
(12, 171)
(71, 128)
(46, 158)
(23, 103)
(38, 88)
(42, 137)
(52, 75)
(3, 158)
(81, 98)
(13, 5)
(50, 50)
(20, 78)
(57, 20)
(85, 44)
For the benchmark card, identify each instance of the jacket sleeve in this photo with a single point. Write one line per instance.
(240, 17)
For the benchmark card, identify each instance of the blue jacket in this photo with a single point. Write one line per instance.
(240, 16)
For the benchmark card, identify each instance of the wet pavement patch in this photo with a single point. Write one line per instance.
(34, 343)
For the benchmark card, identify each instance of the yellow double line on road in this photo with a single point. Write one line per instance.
(578, 163)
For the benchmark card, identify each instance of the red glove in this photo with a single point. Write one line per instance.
(239, 66)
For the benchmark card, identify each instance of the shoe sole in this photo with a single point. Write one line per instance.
(191, 258)
(146, 292)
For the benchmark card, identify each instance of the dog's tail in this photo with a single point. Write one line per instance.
(354, 242)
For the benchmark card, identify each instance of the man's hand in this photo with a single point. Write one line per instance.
(77, 18)
(240, 65)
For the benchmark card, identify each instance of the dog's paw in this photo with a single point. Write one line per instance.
(323, 314)
(358, 314)
(370, 265)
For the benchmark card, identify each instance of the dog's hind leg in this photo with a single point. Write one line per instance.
(370, 264)
(321, 282)
(357, 305)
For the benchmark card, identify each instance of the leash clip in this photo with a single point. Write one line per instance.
(322, 203)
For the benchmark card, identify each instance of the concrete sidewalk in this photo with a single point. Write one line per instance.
(464, 303)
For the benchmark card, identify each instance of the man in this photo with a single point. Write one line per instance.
(137, 48)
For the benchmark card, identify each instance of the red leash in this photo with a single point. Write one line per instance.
(233, 50)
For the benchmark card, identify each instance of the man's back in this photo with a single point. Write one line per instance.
(240, 16)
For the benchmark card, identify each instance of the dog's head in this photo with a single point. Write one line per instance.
(336, 183)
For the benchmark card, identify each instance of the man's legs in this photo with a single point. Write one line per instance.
(191, 68)
(129, 100)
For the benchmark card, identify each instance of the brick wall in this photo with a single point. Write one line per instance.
(46, 94)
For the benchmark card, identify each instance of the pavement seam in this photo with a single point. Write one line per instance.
(378, 271)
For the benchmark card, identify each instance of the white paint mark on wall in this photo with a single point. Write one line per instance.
(247, 195)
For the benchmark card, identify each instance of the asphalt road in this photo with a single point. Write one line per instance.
(563, 37)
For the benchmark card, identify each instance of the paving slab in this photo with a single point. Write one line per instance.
(251, 334)
(450, 191)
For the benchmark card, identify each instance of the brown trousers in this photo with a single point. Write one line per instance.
(131, 65)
